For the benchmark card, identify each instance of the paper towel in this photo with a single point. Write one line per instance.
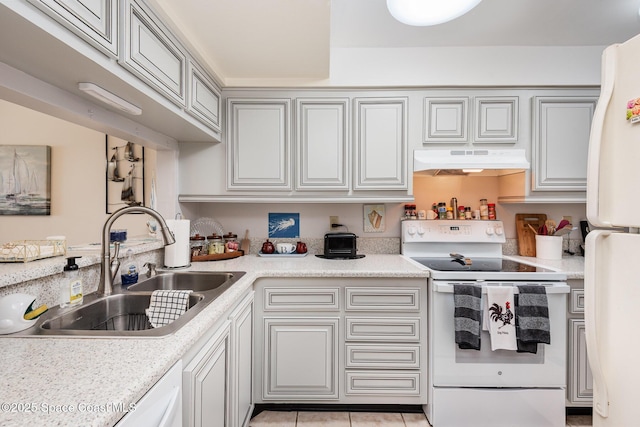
(178, 254)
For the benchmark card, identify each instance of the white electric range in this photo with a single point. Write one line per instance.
(485, 387)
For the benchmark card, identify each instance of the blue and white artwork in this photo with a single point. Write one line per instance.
(284, 225)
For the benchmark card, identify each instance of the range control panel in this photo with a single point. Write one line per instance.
(472, 231)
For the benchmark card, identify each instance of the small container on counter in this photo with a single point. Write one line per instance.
(461, 213)
(454, 208)
(196, 244)
(467, 213)
(449, 212)
(216, 245)
(71, 292)
(442, 210)
(231, 242)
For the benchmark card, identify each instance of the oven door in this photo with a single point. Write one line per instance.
(451, 366)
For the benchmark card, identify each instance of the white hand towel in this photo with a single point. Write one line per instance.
(166, 306)
(502, 325)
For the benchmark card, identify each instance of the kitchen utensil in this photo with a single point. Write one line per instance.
(245, 244)
(564, 230)
(532, 228)
(526, 236)
(562, 224)
(13, 307)
(550, 226)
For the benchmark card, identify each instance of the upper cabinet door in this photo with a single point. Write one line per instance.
(258, 144)
(152, 53)
(561, 127)
(446, 120)
(322, 144)
(496, 119)
(204, 97)
(380, 161)
(95, 21)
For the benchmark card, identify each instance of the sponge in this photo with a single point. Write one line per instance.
(32, 314)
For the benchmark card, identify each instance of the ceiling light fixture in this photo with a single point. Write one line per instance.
(429, 12)
(109, 98)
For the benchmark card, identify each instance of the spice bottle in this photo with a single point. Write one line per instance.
(491, 207)
(467, 213)
(461, 212)
(442, 210)
(484, 209)
(454, 207)
(449, 212)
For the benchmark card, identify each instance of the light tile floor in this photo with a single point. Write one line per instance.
(361, 419)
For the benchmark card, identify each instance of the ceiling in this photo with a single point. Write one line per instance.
(294, 39)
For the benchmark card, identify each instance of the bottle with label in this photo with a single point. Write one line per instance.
(129, 270)
(71, 292)
(449, 212)
(484, 209)
(491, 211)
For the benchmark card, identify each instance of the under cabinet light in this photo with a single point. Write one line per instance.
(472, 170)
(109, 98)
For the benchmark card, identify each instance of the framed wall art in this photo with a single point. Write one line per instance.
(124, 174)
(374, 218)
(284, 225)
(25, 180)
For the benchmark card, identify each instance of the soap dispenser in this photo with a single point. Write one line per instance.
(129, 270)
(71, 292)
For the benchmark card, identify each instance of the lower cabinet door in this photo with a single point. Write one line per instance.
(300, 358)
(205, 381)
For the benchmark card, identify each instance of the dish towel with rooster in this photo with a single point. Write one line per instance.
(467, 315)
(500, 317)
(532, 318)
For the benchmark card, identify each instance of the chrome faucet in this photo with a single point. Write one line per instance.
(109, 265)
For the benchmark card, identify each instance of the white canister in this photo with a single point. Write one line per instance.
(548, 247)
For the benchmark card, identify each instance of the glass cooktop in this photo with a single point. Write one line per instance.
(478, 264)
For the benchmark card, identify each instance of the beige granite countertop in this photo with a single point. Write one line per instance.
(572, 266)
(43, 377)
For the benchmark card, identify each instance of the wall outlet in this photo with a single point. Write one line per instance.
(333, 220)
(568, 218)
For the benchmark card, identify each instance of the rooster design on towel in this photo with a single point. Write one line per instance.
(498, 315)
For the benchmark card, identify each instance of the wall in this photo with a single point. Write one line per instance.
(77, 178)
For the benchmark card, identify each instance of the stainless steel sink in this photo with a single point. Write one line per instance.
(122, 314)
(190, 280)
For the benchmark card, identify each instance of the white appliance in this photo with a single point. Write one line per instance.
(612, 288)
(462, 161)
(486, 388)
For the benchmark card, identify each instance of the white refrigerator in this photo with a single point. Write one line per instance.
(612, 261)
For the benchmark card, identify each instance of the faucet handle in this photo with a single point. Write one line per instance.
(151, 269)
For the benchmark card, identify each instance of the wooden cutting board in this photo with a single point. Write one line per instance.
(526, 236)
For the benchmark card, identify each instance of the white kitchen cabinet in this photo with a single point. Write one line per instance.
(561, 127)
(241, 363)
(206, 383)
(95, 21)
(301, 358)
(322, 144)
(496, 119)
(341, 340)
(151, 52)
(259, 146)
(380, 137)
(579, 378)
(203, 101)
(446, 120)
(161, 406)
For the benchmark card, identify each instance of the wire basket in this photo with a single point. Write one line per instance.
(30, 250)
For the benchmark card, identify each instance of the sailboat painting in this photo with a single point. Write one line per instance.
(125, 174)
(25, 180)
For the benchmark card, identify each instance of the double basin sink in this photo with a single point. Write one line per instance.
(122, 314)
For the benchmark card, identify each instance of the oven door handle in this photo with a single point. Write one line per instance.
(555, 288)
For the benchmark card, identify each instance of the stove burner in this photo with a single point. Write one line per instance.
(478, 264)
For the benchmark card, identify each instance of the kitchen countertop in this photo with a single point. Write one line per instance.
(49, 377)
(572, 266)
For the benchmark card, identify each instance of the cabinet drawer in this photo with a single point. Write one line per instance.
(383, 329)
(383, 299)
(384, 383)
(383, 356)
(577, 301)
(294, 299)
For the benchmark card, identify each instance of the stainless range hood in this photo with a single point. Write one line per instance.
(487, 162)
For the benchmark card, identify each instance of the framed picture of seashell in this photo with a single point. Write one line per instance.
(124, 174)
(374, 218)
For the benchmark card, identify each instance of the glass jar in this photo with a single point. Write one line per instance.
(491, 208)
(215, 245)
(484, 209)
(442, 210)
(231, 242)
(196, 243)
(461, 212)
(449, 212)
(467, 213)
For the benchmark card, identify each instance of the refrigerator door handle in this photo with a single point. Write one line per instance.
(609, 61)
(601, 398)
